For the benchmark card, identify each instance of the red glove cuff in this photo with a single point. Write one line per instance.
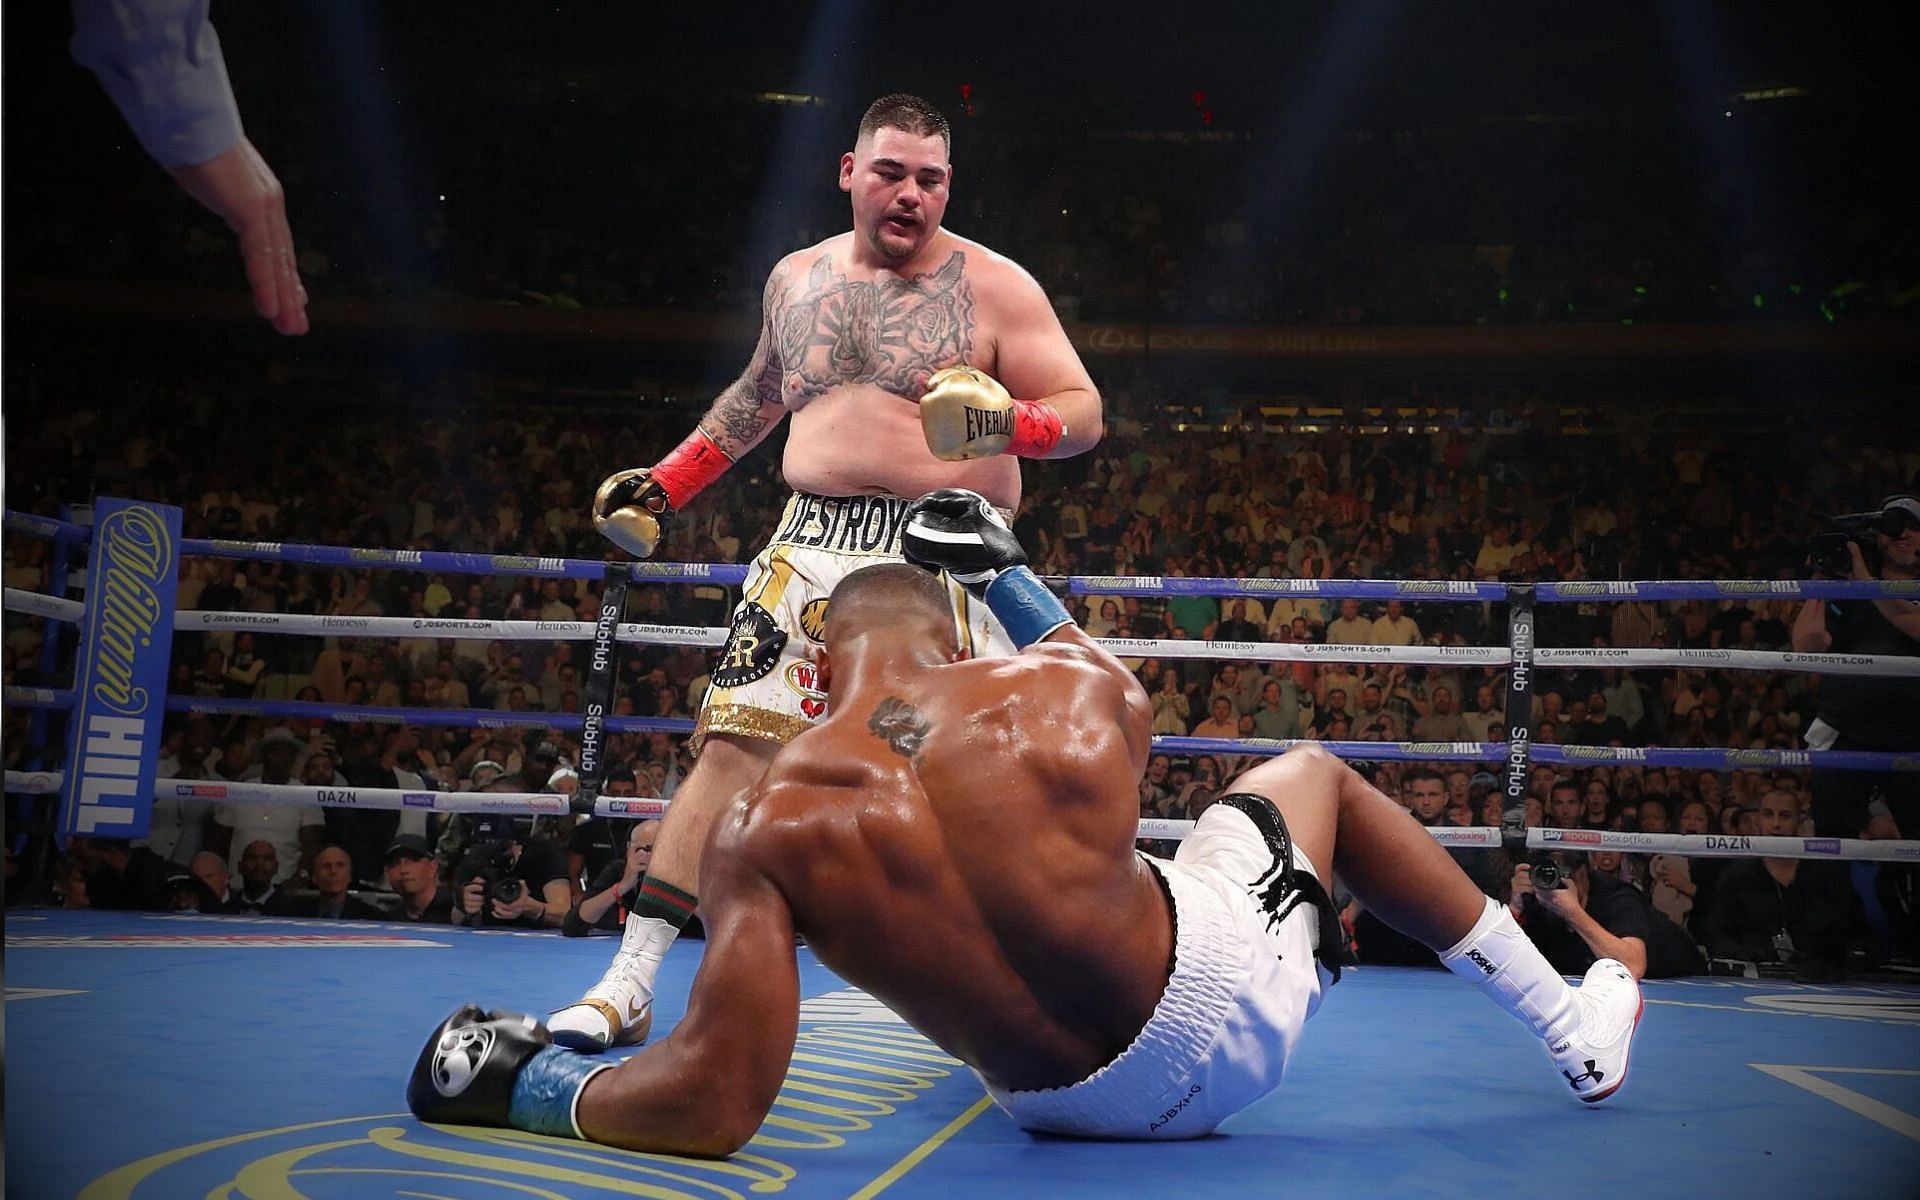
(1037, 429)
(689, 467)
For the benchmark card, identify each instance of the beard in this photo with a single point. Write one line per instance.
(892, 245)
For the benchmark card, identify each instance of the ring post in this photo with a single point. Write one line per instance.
(603, 670)
(120, 678)
(1519, 716)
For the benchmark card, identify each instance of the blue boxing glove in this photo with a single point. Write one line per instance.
(499, 1068)
(959, 532)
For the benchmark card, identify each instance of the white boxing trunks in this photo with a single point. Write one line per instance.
(764, 685)
(1252, 926)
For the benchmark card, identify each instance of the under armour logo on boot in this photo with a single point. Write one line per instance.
(1574, 1081)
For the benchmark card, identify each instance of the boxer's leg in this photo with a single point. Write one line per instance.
(1399, 872)
(619, 1008)
(1342, 823)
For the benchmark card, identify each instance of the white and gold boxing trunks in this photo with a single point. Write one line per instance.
(765, 685)
(1250, 920)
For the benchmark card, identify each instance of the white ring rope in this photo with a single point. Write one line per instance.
(447, 627)
(1159, 828)
(693, 635)
(42, 605)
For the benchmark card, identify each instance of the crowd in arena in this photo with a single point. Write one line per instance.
(1440, 506)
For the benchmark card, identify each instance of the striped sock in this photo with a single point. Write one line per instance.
(665, 902)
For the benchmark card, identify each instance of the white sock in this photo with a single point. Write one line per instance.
(1497, 958)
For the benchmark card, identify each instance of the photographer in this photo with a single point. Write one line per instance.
(510, 878)
(1859, 712)
(614, 888)
(1584, 916)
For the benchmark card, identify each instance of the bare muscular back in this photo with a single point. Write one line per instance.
(854, 347)
(962, 848)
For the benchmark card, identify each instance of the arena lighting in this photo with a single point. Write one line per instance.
(796, 99)
(804, 156)
(1307, 113)
(1776, 93)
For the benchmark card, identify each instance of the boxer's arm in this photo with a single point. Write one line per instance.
(632, 507)
(1034, 361)
(706, 1087)
(743, 414)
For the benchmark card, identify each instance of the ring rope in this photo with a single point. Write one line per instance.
(42, 605)
(555, 804)
(1456, 591)
(1695, 758)
(477, 629)
(453, 628)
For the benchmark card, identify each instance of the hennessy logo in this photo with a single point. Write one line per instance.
(987, 422)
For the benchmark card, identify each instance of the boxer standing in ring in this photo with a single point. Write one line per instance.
(910, 359)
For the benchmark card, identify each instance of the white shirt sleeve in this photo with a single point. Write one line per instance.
(160, 62)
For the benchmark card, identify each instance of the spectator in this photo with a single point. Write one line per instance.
(211, 870)
(1565, 809)
(1597, 728)
(259, 894)
(1278, 716)
(414, 873)
(1485, 723)
(1439, 721)
(119, 875)
(1171, 706)
(1395, 628)
(1221, 721)
(294, 831)
(332, 876)
(1350, 628)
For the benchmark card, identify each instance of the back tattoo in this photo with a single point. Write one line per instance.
(901, 726)
(893, 334)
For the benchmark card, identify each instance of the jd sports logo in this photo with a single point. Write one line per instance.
(752, 648)
(1574, 1081)
(1480, 960)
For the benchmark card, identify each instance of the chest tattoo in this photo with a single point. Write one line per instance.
(901, 726)
(891, 333)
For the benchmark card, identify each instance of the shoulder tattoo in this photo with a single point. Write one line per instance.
(901, 726)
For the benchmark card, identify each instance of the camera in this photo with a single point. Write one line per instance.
(492, 863)
(1547, 873)
(1827, 550)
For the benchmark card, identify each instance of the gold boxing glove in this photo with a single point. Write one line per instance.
(966, 414)
(631, 510)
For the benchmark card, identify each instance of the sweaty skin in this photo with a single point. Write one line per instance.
(957, 840)
(853, 327)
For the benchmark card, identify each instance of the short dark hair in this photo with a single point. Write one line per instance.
(884, 593)
(898, 110)
(1421, 775)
